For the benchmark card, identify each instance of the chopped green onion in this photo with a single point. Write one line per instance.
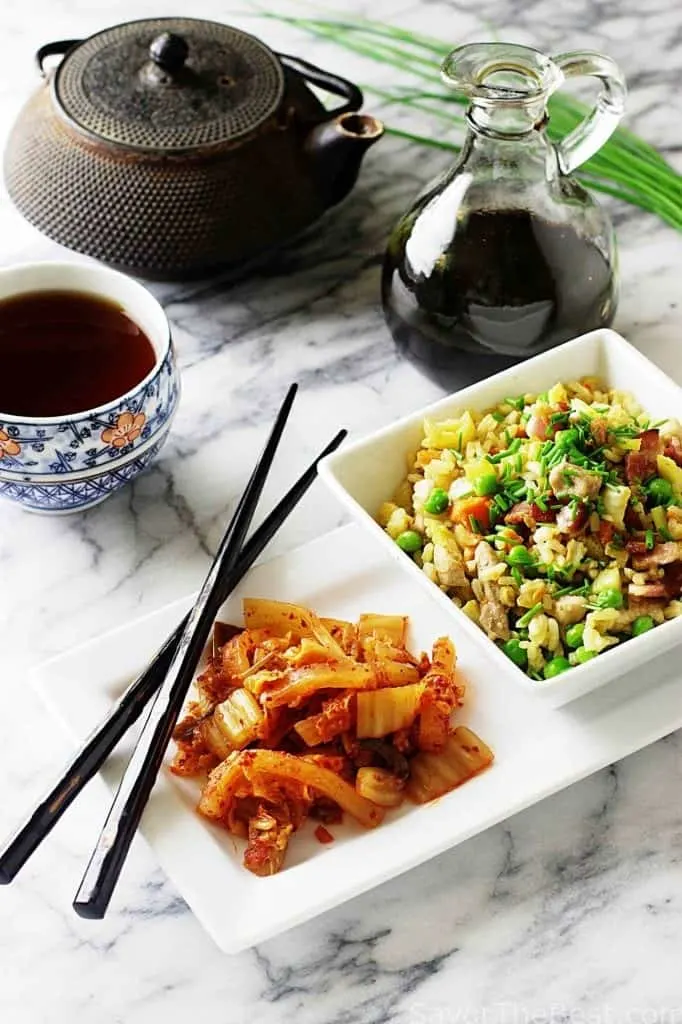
(516, 576)
(516, 403)
(530, 614)
(665, 533)
(475, 525)
(511, 450)
(498, 416)
(660, 491)
(649, 539)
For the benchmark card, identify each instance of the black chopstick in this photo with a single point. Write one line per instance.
(87, 761)
(117, 834)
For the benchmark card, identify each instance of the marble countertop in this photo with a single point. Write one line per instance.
(570, 911)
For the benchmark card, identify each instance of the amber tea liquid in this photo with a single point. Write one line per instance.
(64, 352)
(510, 285)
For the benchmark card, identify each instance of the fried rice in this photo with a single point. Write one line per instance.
(554, 521)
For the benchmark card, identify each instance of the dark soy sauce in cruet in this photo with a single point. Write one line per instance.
(508, 285)
(506, 255)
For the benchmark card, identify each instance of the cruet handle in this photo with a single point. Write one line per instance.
(595, 129)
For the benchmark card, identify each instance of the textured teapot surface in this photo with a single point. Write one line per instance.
(171, 146)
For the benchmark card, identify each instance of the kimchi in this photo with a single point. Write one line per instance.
(299, 717)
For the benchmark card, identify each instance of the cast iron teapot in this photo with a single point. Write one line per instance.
(171, 146)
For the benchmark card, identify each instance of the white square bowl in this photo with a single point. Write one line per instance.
(366, 473)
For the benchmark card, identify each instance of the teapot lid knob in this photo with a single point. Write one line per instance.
(169, 51)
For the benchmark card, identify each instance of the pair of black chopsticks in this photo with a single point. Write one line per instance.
(170, 673)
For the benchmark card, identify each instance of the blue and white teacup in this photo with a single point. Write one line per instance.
(59, 464)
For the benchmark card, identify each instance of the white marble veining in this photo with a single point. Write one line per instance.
(572, 910)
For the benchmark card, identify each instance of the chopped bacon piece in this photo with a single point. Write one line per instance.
(633, 517)
(661, 554)
(672, 575)
(572, 520)
(606, 531)
(323, 835)
(528, 514)
(650, 441)
(636, 546)
(642, 464)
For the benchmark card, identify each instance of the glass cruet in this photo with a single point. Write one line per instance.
(506, 254)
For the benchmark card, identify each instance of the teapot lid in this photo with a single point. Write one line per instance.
(169, 84)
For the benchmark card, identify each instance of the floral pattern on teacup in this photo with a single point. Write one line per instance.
(8, 446)
(128, 427)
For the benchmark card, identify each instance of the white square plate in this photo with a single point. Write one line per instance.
(367, 473)
(538, 750)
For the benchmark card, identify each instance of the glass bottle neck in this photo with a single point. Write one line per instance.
(502, 120)
(507, 148)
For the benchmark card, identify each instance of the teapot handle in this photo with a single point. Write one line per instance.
(326, 80)
(57, 49)
(595, 129)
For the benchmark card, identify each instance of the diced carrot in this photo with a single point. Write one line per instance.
(466, 509)
(323, 835)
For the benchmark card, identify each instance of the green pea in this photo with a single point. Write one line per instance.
(642, 624)
(574, 634)
(409, 541)
(660, 491)
(485, 484)
(582, 655)
(520, 556)
(437, 502)
(555, 667)
(609, 598)
(516, 653)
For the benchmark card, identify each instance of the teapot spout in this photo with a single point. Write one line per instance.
(337, 148)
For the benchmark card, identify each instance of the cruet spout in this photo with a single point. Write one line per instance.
(337, 148)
